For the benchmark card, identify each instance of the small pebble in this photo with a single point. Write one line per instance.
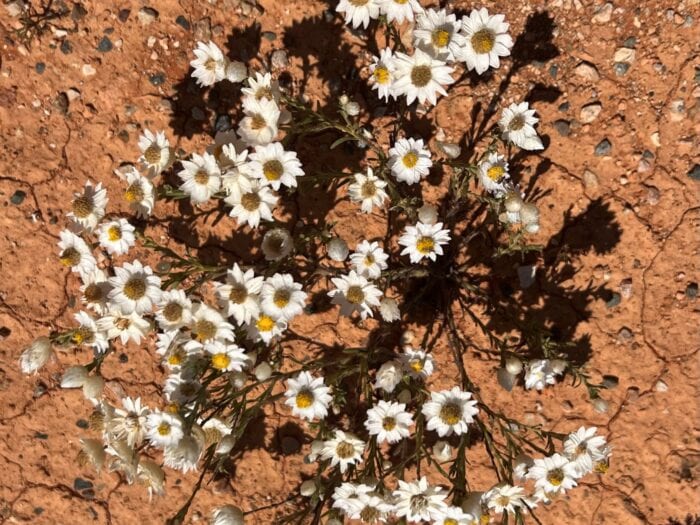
(157, 79)
(587, 71)
(624, 54)
(40, 67)
(630, 42)
(183, 22)
(202, 29)
(66, 47)
(677, 110)
(603, 14)
(603, 148)
(147, 15)
(223, 123)
(691, 291)
(87, 70)
(18, 197)
(614, 300)
(653, 195)
(695, 172)
(526, 275)
(590, 179)
(79, 12)
(279, 59)
(660, 386)
(123, 15)
(610, 381)
(82, 484)
(269, 35)
(564, 107)
(625, 334)
(621, 68)
(82, 423)
(105, 45)
(553, 70)
(563, 127)
(626, 287)
(590, 112)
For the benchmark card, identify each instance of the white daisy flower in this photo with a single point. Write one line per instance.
(389, 421)
(35, 355)
(171, 346)
(252, 205)
(424, 240)
(517, 126)
(226, 357)
(95, 290)
(486, 39)
(421, 77)
(369, 259)
(388, 376)
(184, 455)
(277, 244)
(88, 207)
(116, 236)
(417, 501)
(262, 87)
(493, 174)
(346, 496)
(308, 396)
(506, 498)
(156, 155)
(88, 334)
(201, 177)
(264, 328)
(455, 516)
(371, 508)
(439, 33)
(389, 310)
(129, 423)
(210, 64)
(358, 12)
(208, 325)
(75, 253)
(417, 363)
(139, 193)
(259, 126)
(554, 474)
(382, 71)
(450, 411)
(174, 310)
(274, 166)
(134, 288)
(399, 10)
(239, 296)
(281, 297)
(227, 141)
(538, 374)
(584, 449)
(409, 160)
(344, 449)
(126, 327)
(354, 293)
(368, 190)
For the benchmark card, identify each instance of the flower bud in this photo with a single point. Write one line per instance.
(428, 214)
(35, 356)
(277, 244)
(225, 445)
(505, 379)
(389, 310)
(337, 249)
(237, 379)
(93, 387)
(514, 365)
(404, 396)
(263, 371)
(558, 366)
(532, 228)
(442, 450)
(352, 108)
(74, 377)
(407, 337)
(308, 488)
(227, 515)
(450, 150)
(236, 71)
(529, 214)
(513, 202)
(343, 100)
(600, 405)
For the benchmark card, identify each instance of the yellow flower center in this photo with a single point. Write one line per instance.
(483, 41)
(172, 312)
(220, 361)
(210, 65)
(250, 201)
(204, 330)
(70, 257)
(410, 159)
(171, 408)
(238, 294)
(388, 423)
(401, 2)
(257, 122)
(114, 233)
(601, 467)
(503, 501)
(304, 399)
(152, 154)
(369, 260)
(416, 365)
(440, 37)
(83, 206)
(135, 288)
(421, 76)
(358, 3)
(495, 173)
(201, 177)
(555, 476)
(425, 245)
(369, 514)
(516, 123)
(450, 521)
(265, 323)
(355, 295)
(134, 193)
(281, 298)
(93, 293)
(273, 169)
(381, 75)
(451, 413)
(264, 92)
(345, 450)
(175, 358)
(83, 335)
(164, 429)
(123, 323)
(368, 189)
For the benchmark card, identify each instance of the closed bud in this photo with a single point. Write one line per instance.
(263, 371)
(93, 387)
(35, 356)
(514, 365)
(404, 396)
(442, 450)
(237, 379)
(428, 214)
(529, 214)
(450, 150)
(352, 109)
(532, 227)
(407, 337)
(277, 244)
(600, 405)
(74, 377)
(505, 379)
(227, 515)
(343, 100)
(558, 366)
(513, 202)
(236, 71)
(308, 488)
(225, 445)
(337, 249)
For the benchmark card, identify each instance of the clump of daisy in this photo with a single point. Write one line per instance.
(156, 155)
(201, 177)
(343, 449)
(354, 293)
(75, 253)
(134, 288)
(368, 190)
(369, 259)
(239, 295)
(409, 160)
(140, 193)
(358, 13)
(424, 241)
(439, 33)
(389, 421)
(88, 207)
(450, 411)
(486, 40)
(259, 125)
(421, 77)
(493, 174)
(254, 203)
(308, 396)
(517, 125)
(116, 236)
(382, 73)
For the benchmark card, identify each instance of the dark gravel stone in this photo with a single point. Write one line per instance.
(695, 172)
(40, 67)
(41, 435)
(79, 12)
(18, 197)
(614, 300)
(691, 291)
(610, 381)
(105, 45)
(621, 68)
(82, 423)
(38, 510)
(82, 484)
(553, 70)
(223, 123)
(123, 136)
(563, 127)
(603, 148)
(183, 23)
(123, 358)
(630, 43)
(269, 35)
(647, 154)
(564, 107)
(123, 15)
(61, 103)
(157, 79)
(66, 47)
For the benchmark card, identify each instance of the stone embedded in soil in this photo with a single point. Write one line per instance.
(79, 12)
(123, 15)
(82, 423)
(614, 300)
(18, 197)
(526, 275)
(603, 14)
(603, 148)
(87, 70)
(41, 435)
(147, 15)
(105, 45)
(183, 22)
(653, 195)
(677, 110)
(625, 335)
(630, 42)
(61, 103)
(505, 379)
(40, 67)
(694, 173)
(553, 70)
(587, 71)
(610, 381)
(223, 123)
(563, 127)
(564, 107)
(626, 288)
(269, 35)
(279, 59)
(624, 54)
(590, 112)
(621, 68)
(66, 47)
(691, 291)
(661, 386)
(81, 484)
(157, 79)
(202, 29)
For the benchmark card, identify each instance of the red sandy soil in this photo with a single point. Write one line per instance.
(633, 213)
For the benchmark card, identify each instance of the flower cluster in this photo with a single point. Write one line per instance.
(221, 334)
